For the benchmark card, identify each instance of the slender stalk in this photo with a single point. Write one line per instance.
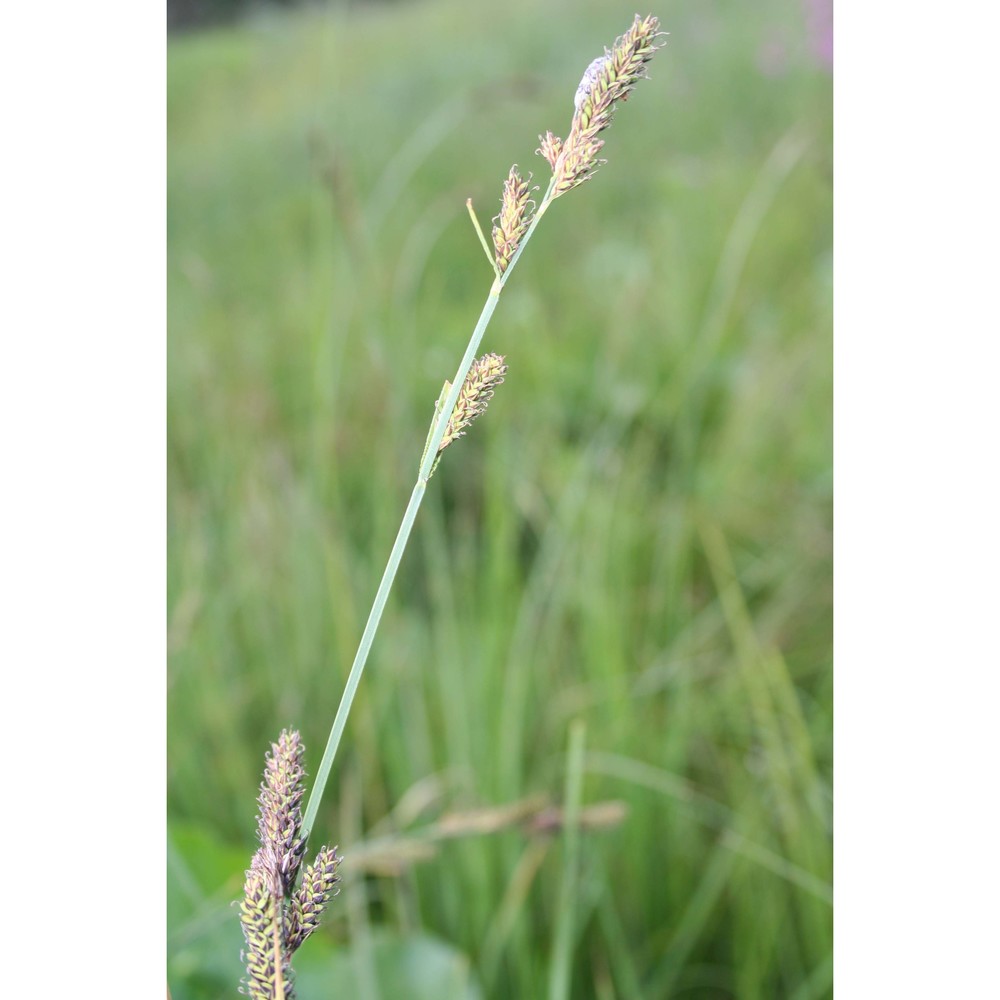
(403, 535)
(361, 657)
(279, 977)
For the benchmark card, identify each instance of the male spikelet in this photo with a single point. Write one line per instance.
(277, 917)
(608, 79)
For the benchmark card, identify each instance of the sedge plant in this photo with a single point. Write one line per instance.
(280, 908)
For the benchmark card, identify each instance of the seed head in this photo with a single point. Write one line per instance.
(319, 886)
(608, 79)
(484, 376)
(280, 814)
(275, 916)
(259, 913)
(515, 215)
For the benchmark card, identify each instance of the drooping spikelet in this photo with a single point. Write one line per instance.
(484, 376)
(515, 216)
(607, 80)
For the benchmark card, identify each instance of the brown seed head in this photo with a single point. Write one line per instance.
(515, 215)
(484, 376)
(319, 886)
(280, 812)
(607, 80)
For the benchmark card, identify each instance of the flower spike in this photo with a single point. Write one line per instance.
(608, 79)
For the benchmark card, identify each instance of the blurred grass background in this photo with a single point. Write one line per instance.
(637, 535)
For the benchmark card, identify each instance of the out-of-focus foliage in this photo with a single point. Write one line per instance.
(637, 534)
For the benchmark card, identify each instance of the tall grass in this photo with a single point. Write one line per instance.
(637, 537)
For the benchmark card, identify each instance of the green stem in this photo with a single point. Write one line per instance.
(360, 658)
(403, 535)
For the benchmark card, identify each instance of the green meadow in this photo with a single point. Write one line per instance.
(633, 546)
